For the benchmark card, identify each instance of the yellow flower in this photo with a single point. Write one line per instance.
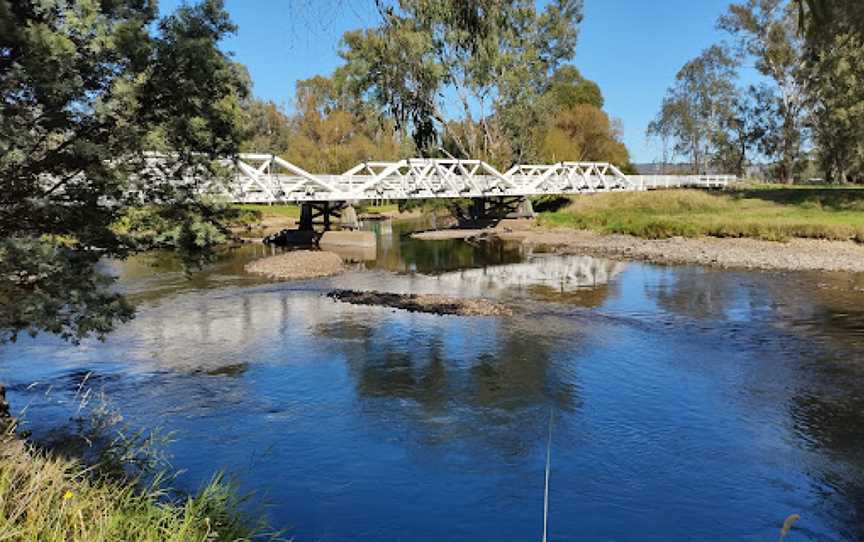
(68, 495)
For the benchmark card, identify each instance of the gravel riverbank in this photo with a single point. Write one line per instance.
(741, 253)
(297, 265)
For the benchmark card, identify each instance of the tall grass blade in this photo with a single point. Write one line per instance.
(546, 489)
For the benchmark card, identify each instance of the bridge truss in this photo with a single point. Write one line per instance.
(265, 178)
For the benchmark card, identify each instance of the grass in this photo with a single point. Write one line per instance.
(770, 212)
(49, 498)
(293, 211)
(274, 211)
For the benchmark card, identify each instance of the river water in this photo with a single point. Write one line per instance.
(686, 403)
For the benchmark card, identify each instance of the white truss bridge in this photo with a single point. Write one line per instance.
(266, 178)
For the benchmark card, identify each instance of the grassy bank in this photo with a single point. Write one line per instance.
(293, 211)
(769, 213)
(49, 498)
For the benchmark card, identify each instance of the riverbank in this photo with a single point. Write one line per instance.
(47, 497)
(793, 255)
(768, 213)
(742, 253)
(770, 228)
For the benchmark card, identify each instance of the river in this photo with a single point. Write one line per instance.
(686, 403)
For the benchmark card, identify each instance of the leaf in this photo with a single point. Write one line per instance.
(787, 525)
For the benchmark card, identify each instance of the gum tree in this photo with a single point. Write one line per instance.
(490, 58)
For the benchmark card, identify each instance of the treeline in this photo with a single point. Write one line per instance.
(485, 79)
(802, 113)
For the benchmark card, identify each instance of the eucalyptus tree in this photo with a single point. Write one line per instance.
(492, 58)
(833, 79)
(835, 83)
(87, 87)
(698, 107)
(766, 33)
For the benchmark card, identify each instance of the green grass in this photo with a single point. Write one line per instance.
(770, 212)
(293, 211)
(49, 498)
(279, 211)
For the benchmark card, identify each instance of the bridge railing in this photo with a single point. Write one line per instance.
(655, 182)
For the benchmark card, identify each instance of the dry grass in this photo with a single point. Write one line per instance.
(773, 214)
(48, 498)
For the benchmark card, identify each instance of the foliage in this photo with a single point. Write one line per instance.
(766, 31)
(50, 498)
(86, 88)
(494, 56)
(583, 133)
(48, 285)
(699, 108)
(773, 213)
(332, 134)
(836, 82)
(714, 123)
(267, 128)
(567, 88)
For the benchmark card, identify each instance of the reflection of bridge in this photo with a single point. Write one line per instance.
(561, 273)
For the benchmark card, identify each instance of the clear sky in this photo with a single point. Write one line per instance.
(632, 48)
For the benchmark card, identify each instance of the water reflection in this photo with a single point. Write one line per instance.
(689, 403)
(582, 280)
(485, 380)
(397, 251)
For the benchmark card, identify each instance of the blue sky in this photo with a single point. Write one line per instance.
(632, 48)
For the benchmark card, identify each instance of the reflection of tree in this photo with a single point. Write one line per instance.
(831, 422)
(696, 293)
(812, 325)
(497, 386)
(399, 252)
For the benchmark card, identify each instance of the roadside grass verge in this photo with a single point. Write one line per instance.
(49, 498)
(768, 213)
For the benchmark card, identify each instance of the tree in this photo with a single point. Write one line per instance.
(699, 107)
(494, 56)
(835, 80)
(766, 32)
(86, 88)
(583, 133)
(567, 89)
(332, 132)
(267, 127)
(832, 78)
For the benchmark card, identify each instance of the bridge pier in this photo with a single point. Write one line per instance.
(325, 210)
(500, 208)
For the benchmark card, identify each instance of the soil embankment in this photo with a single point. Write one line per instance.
(428, 303)
(298, 265)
